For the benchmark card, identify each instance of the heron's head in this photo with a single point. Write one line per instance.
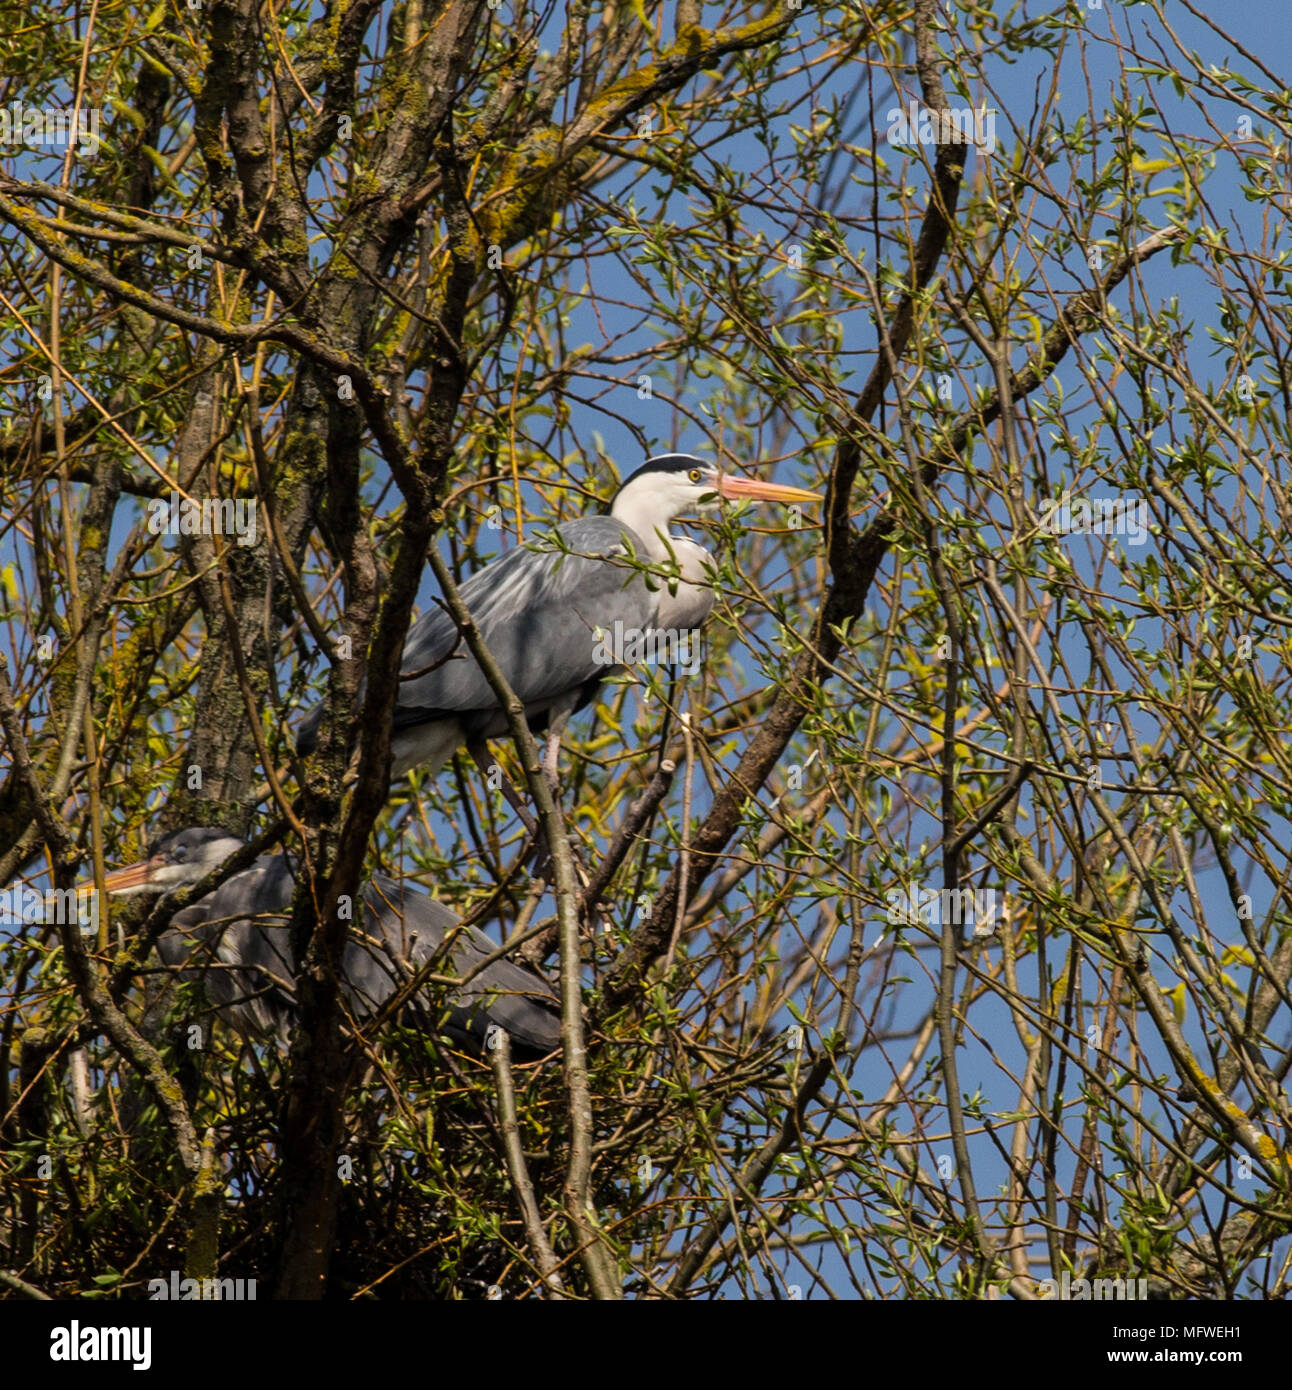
(175, 861)
(666, 486)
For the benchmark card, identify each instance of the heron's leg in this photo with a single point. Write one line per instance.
(557, 719)
(552, 758)
(480, 753)
(542, 855)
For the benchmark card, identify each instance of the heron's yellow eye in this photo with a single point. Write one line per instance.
(696, 475)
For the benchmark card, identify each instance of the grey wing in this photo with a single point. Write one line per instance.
(506, 994)
(381, 955)
(236, 941)
(413, 926)
(540, 613)
(307, 732)
(178, 942)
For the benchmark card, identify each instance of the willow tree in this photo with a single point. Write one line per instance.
(932, 936)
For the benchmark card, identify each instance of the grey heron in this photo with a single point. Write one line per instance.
(545, 614)
(237, 939)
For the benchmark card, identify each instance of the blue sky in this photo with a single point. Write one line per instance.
(608, 418)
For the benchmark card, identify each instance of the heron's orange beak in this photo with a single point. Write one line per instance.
(132, 876)
(755, 490)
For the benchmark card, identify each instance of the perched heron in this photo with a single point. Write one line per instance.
(231, 938)
(550, 616)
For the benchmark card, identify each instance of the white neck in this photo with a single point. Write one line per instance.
(648, 511)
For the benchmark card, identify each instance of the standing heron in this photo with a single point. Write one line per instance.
(544, 614)
(237, 939)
